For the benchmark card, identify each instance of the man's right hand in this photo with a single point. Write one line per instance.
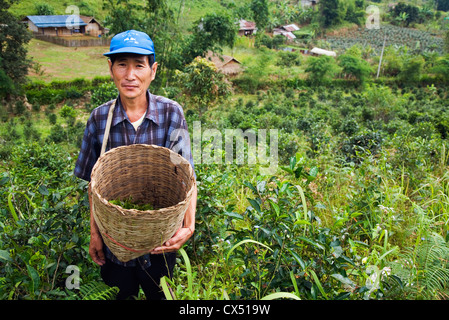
(96, 249)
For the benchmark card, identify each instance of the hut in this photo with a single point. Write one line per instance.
(286, 31)
(93, 27)
(225, 64)
(319, 52)
(247, 28)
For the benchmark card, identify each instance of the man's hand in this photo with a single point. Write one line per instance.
(96, 249)
(183, 234)
(175, 243)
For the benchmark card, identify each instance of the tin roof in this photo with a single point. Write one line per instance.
(56, 21)
(247, 25)
(323, 52)
(288, 34)
(291, 27)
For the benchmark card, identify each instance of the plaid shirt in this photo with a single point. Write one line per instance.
(163, 116)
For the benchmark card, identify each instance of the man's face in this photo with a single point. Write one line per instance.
(132, 74)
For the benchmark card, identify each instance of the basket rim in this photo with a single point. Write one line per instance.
(135, 211)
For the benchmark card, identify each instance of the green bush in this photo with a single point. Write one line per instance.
(42, 93)
(358, 146)
(19, 108)
(57, 134)
(248, 84)
(287, 59)
(52, 118)
(3, 113)
(103, 93)
(45, 95)
(50, 228)
(30, 133)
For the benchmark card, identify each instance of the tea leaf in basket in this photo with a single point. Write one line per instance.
(129, 204)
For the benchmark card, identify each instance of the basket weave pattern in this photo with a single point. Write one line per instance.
(148, 174)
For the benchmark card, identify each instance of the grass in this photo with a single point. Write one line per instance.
(191, 11)
(66, 63)
(87, 7)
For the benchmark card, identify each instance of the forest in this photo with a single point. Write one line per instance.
(357, 206)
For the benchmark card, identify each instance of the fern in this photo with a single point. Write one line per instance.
(97, 290)
(422, 272)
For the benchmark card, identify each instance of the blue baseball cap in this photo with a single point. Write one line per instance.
(131, 41)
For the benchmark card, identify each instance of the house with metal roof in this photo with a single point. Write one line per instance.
(247, 28)
(62, 25)
(286, 31)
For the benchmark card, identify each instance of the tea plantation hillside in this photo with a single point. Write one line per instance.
(342, 195)
(193, 9)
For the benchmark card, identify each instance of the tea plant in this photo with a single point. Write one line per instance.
(44, 224)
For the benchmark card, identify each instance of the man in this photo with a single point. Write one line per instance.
(138, 117)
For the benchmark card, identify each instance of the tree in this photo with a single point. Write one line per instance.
(14, 63)
(203, 84)
(354, 66)
(159, 21)
(441, 68)
(406, 13)
(332, 12)
(402, 18)
(392, 61)
(412, 70)
(174, 49)
(446, 41)
(210, 33)
(120, 11)
(6, 84)
(260, 13)
(321, 69)
(44, 9)
(442, 5)
(355, 12)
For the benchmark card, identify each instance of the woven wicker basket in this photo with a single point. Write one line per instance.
(147, 173)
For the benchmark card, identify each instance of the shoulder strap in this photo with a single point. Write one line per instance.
(108, 127)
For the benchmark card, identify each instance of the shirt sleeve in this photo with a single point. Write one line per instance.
(89, 151)
(178, 136)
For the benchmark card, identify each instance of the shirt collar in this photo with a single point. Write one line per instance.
(151, 114)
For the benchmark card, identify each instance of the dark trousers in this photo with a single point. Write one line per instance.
(128, 279)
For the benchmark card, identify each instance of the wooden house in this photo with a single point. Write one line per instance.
(93, 27)
(64, 25)
(247, 28)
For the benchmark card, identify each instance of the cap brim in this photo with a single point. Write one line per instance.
(129, 50)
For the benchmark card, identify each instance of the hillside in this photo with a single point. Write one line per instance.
(54, 62)
(192, 10)
(354, 204)
(87, 7)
